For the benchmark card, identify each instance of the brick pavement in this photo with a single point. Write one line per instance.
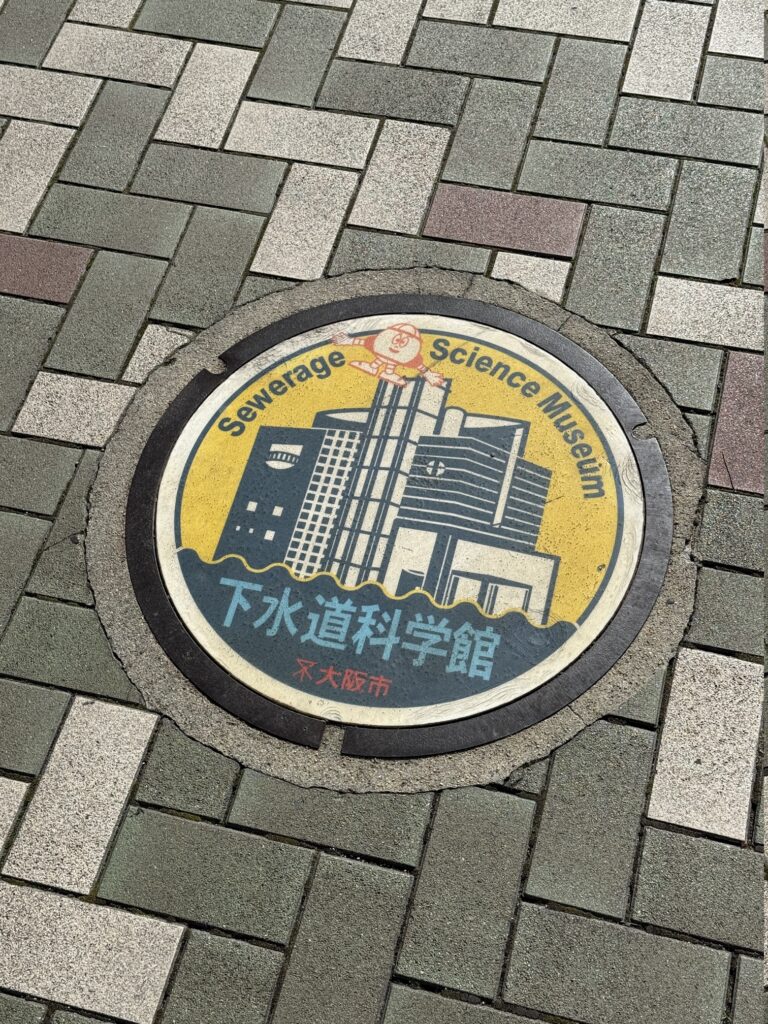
(161, 161)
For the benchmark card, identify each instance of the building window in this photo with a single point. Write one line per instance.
(252, 506)
(277, 510)
(269, 535)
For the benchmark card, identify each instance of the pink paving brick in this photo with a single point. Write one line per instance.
(737, 452)
(505, 220)
(36, 269)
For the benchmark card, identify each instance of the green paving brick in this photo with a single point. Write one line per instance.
(232, 180)
(21, 538)
(15, 1010)
(222, 981)
(30, 719)
(749, 1005)
(109, 145)
(531, 779)
(645, 706)
(105, 319)
(729, 612)
(584, 851)
(342, 957)
(206, 874)
(26, 329)
(474, 50)
(594, 972)
(185, 775)
(373, 250)
(135, 224)
(731, 530)
(754, 271)
(388, 826)
(241, 22)
(65, 646)
(702, 428)
(413, 1006)
(35, 474)
(256, 286)
(389, 91)
(689, 372)
(28, 27)
(732, 82)
(701, 887)
(197, 289)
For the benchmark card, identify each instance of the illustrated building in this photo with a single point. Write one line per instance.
(410, 493)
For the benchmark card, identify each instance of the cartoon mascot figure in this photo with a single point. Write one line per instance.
(396, 348)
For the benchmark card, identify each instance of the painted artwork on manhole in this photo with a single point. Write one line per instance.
(399, 520)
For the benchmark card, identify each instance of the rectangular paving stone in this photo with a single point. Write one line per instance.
(490, 138)
(700, 887)
(45, 95)
(35, 474)
(754, 270)
(198, 291)
(62, 645)
(109, 146)
(581, 91)
(36, 269)
(493, 52)
(731, 530)
(293, 66)
(615, 267)
(316, 136)
(74, 409)
(371, 250)
(206, 874)
(12, 794)
(401, 177)
(301, 232)
(388, 826)
(729, 612)
(708, 746)
(732, 82)
(79, 799)
(407, 93)
(28, 27)
(30, 720)
(738, 29)
(584, 852)
(465, 897)
(21, 538)
(104, 320)
(546, 277)
(341, 961)
(379, 30)
(598, 175)
(415, 1006)
(749, 1004)
(239, 22)
(117, 13)
(547, 226)
(112, 53)
(713, 314)
(601, 973)
(231, 180)
(206, 97)
(15, 1010)
(96, 958)
(150, 227)
(459, 10)
(602, 19)
(667, 50)
(690, 373)
(738, 451)
(710, 221)
(155, 346)
(682, 129)
(26, 329)
(222, 981)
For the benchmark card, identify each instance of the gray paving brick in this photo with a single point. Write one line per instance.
(530, 779)
(293, 65)
(241, 22)
(112, 53)
(732, 82)
(379, 30)
(581, 91)
(222, 981)
(603, 19)
(231, 180)
(407, 93)
(712, 314)
(31, 717)
(615, 267)
(21, 538)
(459, 10)
(709, 222)
(584, 852)
(371, 250)
(645, 706)
(702, 428)
(738, 29)
(598, 175)
(472, 50)
(414, 1006)
(667, 50)
(109, 145)
(491, 134)
(65, 646)
(700, 887)
(754, 271)
(601, 973)
(206, 874)
(34, 474)
(29, 156)
(342, 956)
(731, 530)
(26, 329)
(118, 13)
(729, 612)
(681, 129)
(544, 276)
(689, 372)
(749, 1006)
(12, 796)
(387, 826)
(28, 27)
(186, 776)
(104, 320)
(78, 410)
(15, 1010)
(197, 291)
(156, 345)
(45, 95)
(256, 286)
(460, 915)
(71, 516)
(151, 227)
